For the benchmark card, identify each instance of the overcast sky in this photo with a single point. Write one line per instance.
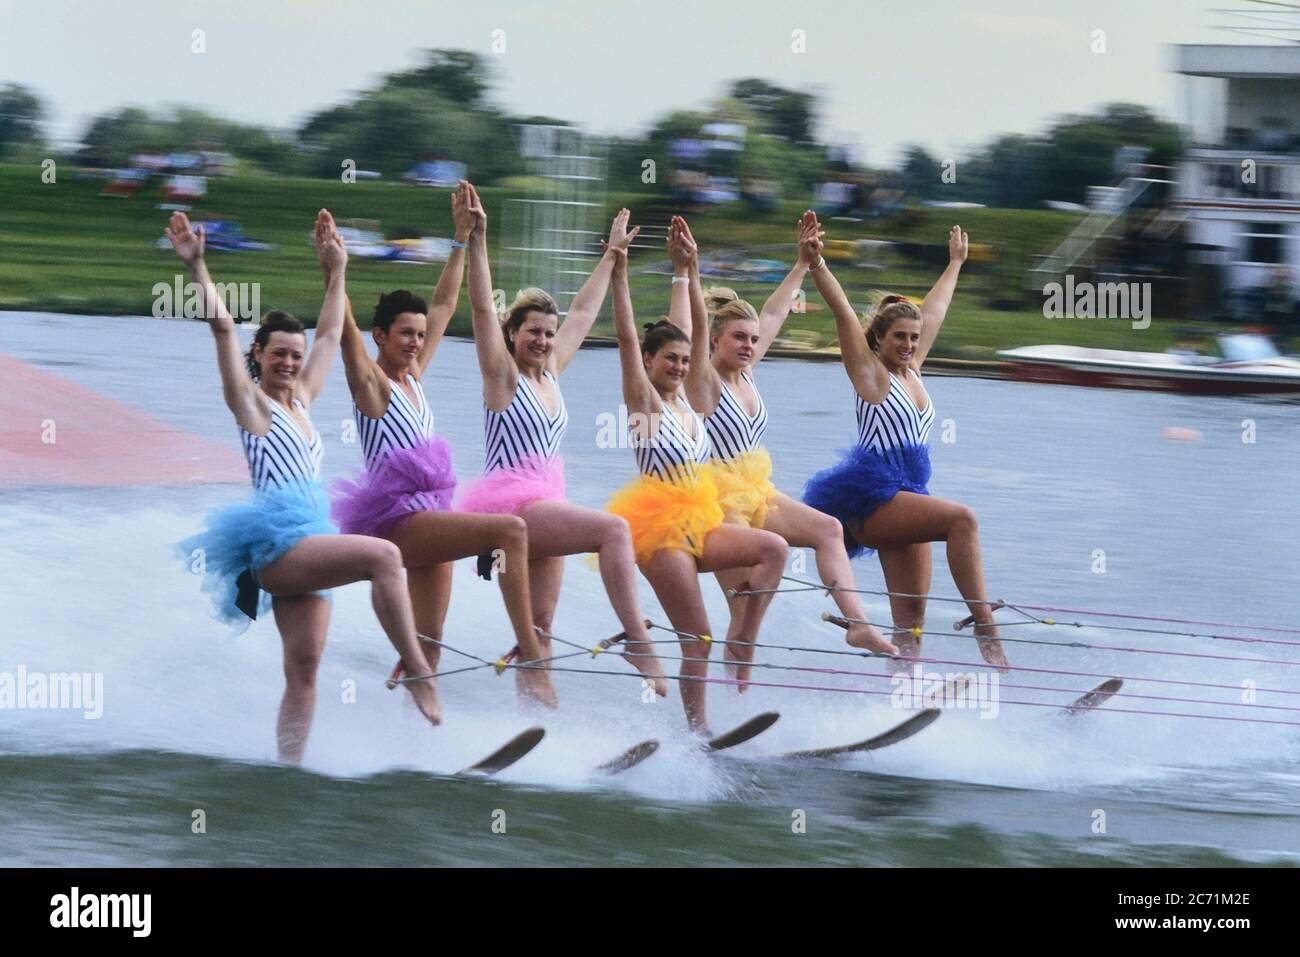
(947, 75)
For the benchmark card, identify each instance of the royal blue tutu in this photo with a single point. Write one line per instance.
(863, 480)
(419, 479)
(248, 536)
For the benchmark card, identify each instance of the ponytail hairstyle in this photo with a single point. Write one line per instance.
(529, 300)
(277, 320)
(659, 334)
(886, 311)
(393, 304)
(724, 305)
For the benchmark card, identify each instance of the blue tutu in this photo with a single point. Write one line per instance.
(863, 480)
(248, 536)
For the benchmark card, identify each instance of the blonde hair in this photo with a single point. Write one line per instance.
(887, 309)
(725, 305)
(528, 300)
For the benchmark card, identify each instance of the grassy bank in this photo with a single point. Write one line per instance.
(64, 248)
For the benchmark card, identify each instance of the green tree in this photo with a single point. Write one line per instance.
(788, 114)
(20, 118)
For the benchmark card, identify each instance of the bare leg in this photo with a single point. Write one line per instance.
(561, 528)
(675, 579)
(430, 589)
(303, 622)
(762, 555)
(907, 571)
(429, 537)
(737, 606)
(328, 561)
(802, 525)
(909, 518)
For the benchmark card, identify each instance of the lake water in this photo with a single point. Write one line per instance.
(1082, 504)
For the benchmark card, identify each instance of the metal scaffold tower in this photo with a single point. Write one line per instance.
(551, 237)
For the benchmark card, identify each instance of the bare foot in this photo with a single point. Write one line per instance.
(643, 658)
(862, 635)
(991, 649)
(425, 692)
(534, 684)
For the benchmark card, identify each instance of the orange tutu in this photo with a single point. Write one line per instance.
(745, 489)
(669, 514)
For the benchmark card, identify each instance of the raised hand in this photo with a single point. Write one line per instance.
(811, 243)
(331, 251)
(477, 211)
(958, 245)
(619, 236)
(187, 242)
(461, 214)
(682, 249)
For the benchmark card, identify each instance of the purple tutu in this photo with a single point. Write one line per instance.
(406, 481)
(508, 491)
(863, 480)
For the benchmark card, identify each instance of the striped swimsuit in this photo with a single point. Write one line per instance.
(283, 457)
(732, 430)
(894, 424)
(403, 426)
(672, 451)
(524, 429)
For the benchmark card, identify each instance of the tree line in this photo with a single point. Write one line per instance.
(443, 109)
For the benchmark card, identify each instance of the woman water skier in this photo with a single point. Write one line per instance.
(672, 508)
(721, 387)
(879, 489)
(282, 542)
(404, 493)
(524, 419)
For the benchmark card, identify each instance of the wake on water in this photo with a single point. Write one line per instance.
(103, 594)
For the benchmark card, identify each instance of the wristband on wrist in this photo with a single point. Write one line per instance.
(457, 244)
(821, 261)
(677, 279)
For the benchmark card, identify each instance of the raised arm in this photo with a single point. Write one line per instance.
(237, 387)
(442, 305)
(934, 308)
(366, 381)
(682, 252)
(586, 304)
(333, 256)
(500, 374)
(703, 385)
(865, 370)
(777, 308)
(638, 392)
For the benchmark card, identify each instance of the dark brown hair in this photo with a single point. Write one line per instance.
(393, 304)
(659, 334)
(277, 320)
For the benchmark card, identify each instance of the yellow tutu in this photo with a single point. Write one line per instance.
(669, 514)
(745, 489)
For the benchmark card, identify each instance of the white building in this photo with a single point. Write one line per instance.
(1239, 180)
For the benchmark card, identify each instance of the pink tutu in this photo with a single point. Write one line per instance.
(419, 479)
(509, 490)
